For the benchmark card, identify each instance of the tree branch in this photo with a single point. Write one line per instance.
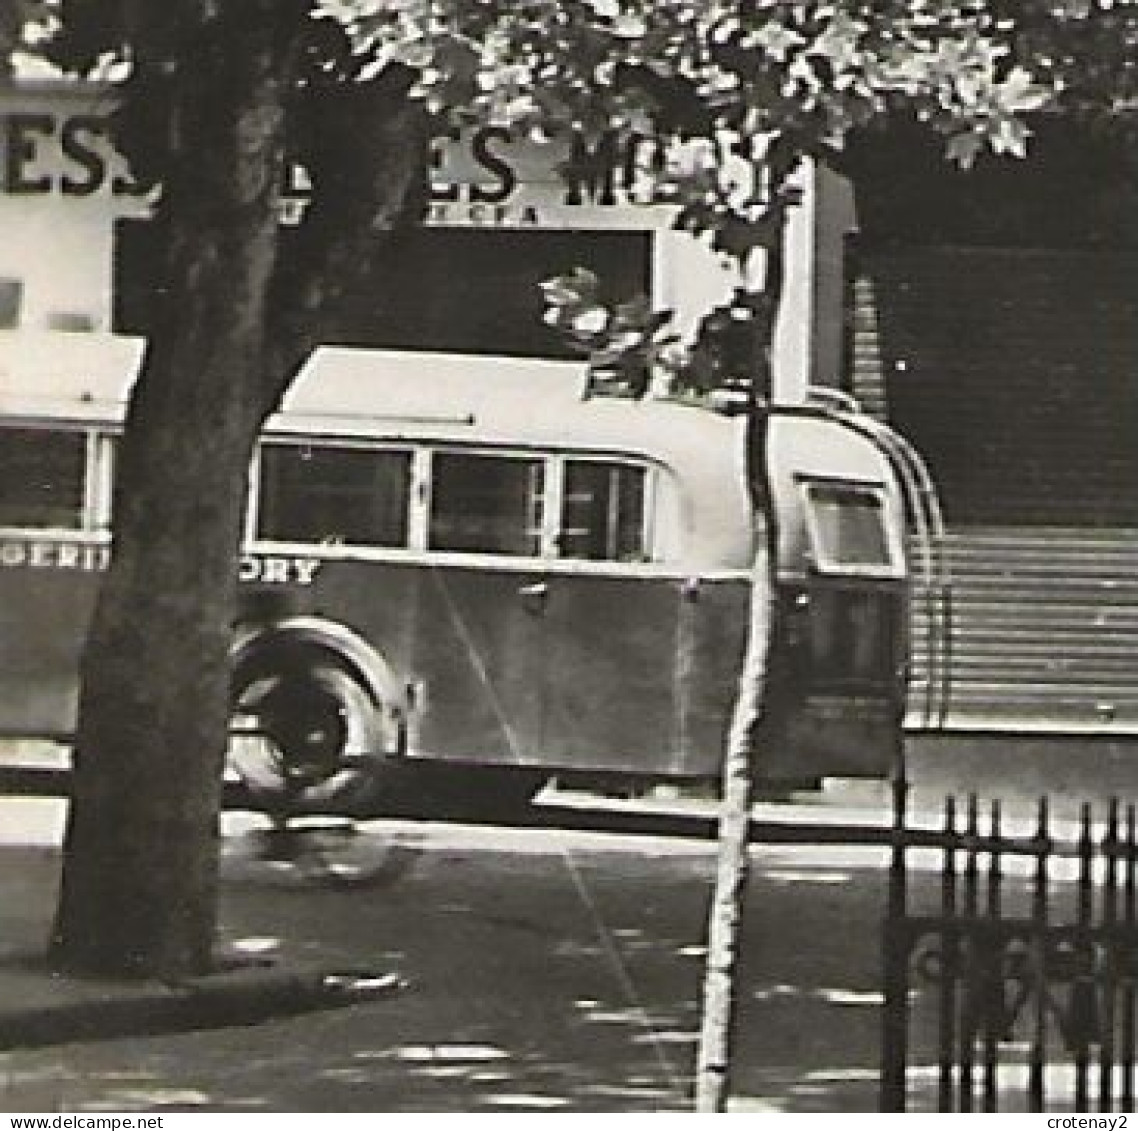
(364, 145)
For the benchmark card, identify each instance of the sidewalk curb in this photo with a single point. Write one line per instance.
(214, 1001)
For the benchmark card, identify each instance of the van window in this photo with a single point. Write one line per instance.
(602, 512)
(41, 478)
(311, 493)
(486, 504)
(847, 528)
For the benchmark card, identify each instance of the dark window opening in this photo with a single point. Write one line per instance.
(41, 478)
(486, 504)
(602, 513)
(11, 300)
(315, 494)
(1078, 190)
(461, 290)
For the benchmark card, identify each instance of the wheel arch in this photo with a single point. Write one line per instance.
(326, 640)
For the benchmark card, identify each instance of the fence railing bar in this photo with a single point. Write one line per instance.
(972, 964)
(1110, 983)
(992, 979)
(895, 952)
(1130, 908)
(1081, 1004)
(1028, 847)
(1037, 1058)
(950, 958)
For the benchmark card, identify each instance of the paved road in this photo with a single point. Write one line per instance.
(545, 971)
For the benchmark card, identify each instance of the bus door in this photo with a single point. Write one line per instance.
(608, 692)
(477, 662)
(845, 687)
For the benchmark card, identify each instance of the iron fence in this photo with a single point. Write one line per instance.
(1027, 962)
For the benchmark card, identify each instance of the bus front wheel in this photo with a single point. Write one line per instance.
(306, 735)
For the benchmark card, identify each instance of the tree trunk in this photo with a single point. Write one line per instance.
(756, 681)
(212, 104)
(758, 689)
(140, 859)
(139, 882)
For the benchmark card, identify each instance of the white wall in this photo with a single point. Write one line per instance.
(58, 207)
(58, 202)
(62, 256)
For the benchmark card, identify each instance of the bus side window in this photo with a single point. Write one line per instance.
(318, 494)
(42, 478)
(602, 512)
(486, 504)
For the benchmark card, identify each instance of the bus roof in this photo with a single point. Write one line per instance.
(375, 393)
(473, 398)
(424, 385)
(70, 376)
(522, 403)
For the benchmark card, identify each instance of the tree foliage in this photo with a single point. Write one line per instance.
(738, 93)
(24, 26)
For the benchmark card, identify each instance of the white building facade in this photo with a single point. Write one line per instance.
(503, 215)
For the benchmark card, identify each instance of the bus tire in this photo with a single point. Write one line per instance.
(308, 735)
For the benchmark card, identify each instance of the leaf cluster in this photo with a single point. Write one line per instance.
(25, 25)
(633, 350)
(625, 342)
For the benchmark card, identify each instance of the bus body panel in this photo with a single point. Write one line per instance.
(591, 672)
(628, 670)
(535, 667)
(43, 620)
(600, 673)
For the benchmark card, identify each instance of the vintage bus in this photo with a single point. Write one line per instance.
(465, 562)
